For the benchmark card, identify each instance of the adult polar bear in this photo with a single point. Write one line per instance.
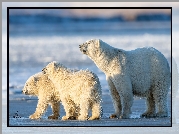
(142, 72)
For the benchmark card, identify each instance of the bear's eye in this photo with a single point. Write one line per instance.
(26, 84)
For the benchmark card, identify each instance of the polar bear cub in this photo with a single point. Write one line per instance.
(79, 89)
(39, 85)
(142, 72)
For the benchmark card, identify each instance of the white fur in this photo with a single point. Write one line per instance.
(39, 85)
(142, 72)
(79, 90)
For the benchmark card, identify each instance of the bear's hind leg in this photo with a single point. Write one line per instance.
(115, 98)
(96, 111)
(69, 109)
(162, 107)
(150, 102)
(160, 95)
(55, 108)
(162, 112)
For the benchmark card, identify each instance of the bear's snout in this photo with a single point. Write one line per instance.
(24, 91)
(82, 48)
(43, 70)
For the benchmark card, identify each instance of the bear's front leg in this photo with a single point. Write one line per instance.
(41, 108)
(127, 101)
(55, 108)
(115, 98)
(96, 111)
(124, 89)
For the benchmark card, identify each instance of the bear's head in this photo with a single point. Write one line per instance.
(91, 48)
(50, 68)
(30, 87)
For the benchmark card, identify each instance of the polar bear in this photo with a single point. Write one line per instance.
(79, 89)
(142, 72)
(39, 85)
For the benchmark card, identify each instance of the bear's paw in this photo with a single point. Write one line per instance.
(53, 117)
(148, 115)
(34, 116)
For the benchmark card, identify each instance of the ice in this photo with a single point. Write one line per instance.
(65, 48)
(28, 55)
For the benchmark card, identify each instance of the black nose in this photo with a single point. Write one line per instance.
(24, 92)
(43, 71)
(84, 51)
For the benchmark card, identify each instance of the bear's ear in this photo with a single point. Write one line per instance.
(55, 65)
(36, 79)
(97, 43)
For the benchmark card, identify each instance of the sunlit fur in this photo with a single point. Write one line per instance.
(39, 85)
(79, 90)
